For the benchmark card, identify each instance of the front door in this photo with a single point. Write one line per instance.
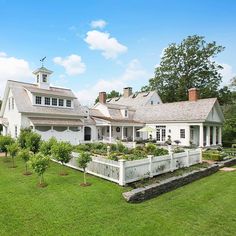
(161, 133)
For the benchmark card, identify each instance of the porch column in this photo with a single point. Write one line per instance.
(110, 133)
(214, 136)
(122, 132)
(133, 133)
(201, 135)
(219, 135)
(208, 135)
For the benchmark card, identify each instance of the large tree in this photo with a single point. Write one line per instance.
(112, 94)
(186, 65)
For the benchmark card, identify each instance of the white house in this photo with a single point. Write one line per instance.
(56, 112)
(50, 111)
(196, 121)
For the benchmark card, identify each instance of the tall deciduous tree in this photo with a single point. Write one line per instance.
(186, 65)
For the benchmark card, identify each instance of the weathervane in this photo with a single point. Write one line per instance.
(42, 60)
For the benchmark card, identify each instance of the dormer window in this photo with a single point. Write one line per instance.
(68, 103)
(151, 102)
(47, 101)
(54, 101)
(37, 78)
(38, 100)
(45, 78)
(126, 113)
(61, 103)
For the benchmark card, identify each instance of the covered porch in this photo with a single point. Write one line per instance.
(111, 131)
(206, 134)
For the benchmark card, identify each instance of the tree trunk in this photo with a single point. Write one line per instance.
(26, 168)
(13, 162)
(84, 176)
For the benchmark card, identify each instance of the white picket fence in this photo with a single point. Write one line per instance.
(123, 172)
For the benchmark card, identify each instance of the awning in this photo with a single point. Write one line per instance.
(55, 122)
(4, 121)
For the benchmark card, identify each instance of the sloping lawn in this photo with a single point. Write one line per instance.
(205, 207)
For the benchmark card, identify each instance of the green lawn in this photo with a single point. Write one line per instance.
(205, 207)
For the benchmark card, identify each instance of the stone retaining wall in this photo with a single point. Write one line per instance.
(153, 190)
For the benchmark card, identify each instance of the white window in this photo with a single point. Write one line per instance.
(12, 103)
(38, 100)
(15, 131)
(68, 103)
(44, 78)
(182, 133)
(61, 102)
(151, 102)
(37, 78)
(47, 101)
(54, 101)
(126, 113)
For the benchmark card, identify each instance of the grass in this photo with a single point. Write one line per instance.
(205, 207)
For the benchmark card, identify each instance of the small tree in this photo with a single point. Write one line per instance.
(83, 160)
(46, 146)
(39, 164)
(62, 152)
(32, 142)
(22, 137)
(25, 155)
(13, 150)
(4, 142)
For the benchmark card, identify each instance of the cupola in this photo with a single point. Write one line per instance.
(42, 77)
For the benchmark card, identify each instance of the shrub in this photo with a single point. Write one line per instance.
(62, 152)
(25, 155)
(4, 142)
(83, 160)
(234, 145)
(113, 147)
(13, 150)
(100, 146)
(39, 164)
(22, 137)
(46, 146)
(82, 148)
(151, 148)
(213, 155)
(32, 142)
(121, 147)
(178, 150)
(113, 156)
(160, 152)
(177, 142)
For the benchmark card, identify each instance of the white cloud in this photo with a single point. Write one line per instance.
(98, 24)
(133, 72)
(227, 73)
(72, 64)
(109, 46)
(12, 68)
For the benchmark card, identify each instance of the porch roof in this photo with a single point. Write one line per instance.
(57, 122)
(111, 121)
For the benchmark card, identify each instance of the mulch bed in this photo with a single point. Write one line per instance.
(85, 185)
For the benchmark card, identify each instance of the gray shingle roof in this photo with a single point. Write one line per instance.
(176, 111)
(24, 104)
(134, 100)
(58, 122)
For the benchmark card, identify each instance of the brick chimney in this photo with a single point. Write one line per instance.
(102, 97)
(193, 94)
(127, 92)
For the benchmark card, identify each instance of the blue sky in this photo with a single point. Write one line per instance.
(102, 45)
